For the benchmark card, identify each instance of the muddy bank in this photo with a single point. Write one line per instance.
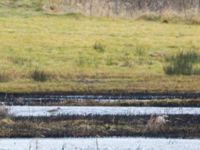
(102, 99)
(186, 126)
(47, 97)
(107, 102)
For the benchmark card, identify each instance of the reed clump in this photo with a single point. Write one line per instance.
(182, 64)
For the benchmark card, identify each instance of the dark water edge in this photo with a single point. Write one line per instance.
(101, 99)
(96, 96)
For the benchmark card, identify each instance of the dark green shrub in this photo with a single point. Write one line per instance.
(5, 77)
(99, 47)
(40, 76)
(140, 51)
(182, 64)
(196, 71)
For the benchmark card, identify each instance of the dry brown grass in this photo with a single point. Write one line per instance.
(77, 126)
(5, 117)
(6, 121)
(3, 112)
(157, 124)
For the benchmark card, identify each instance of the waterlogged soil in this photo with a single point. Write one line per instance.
(178, 126)
(184, 126)
(135, 99)
(128, 103)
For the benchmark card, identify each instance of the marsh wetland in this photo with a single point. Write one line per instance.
(75, 82)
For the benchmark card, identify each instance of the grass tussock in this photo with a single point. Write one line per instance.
(5, 76)
(182, 64)
(3, 112)
(141, 52)
(40, 75)
(5, 117)
(99, 47)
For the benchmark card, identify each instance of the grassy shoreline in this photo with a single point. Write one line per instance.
(77, 54)
(157, 84)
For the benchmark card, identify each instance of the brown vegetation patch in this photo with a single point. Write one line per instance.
(83, 126)
(157, 124)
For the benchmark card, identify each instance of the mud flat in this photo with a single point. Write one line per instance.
(108, 102)
(97, 96)
(136, 99)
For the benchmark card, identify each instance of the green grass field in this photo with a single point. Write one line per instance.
(74, 53)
